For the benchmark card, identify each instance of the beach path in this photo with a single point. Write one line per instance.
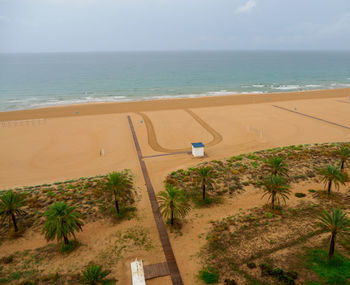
(163, 235)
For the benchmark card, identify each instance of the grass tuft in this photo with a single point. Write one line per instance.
(333, 271)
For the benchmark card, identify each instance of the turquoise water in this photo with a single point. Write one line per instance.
(39, 80)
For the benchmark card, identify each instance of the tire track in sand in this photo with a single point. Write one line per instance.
(152, 137)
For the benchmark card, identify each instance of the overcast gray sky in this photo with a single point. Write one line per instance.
(112, 25)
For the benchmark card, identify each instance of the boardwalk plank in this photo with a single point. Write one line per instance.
(163, 235)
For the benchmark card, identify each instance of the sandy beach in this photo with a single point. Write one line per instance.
(68, 144)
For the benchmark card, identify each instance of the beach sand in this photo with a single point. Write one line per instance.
(68, 144)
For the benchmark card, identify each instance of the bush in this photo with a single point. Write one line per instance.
(67, 248)
(94, 274)
(15, 275)
(208, 276)
(251, 265)
(7, 259)
(300, 195)
(286, 277)
(266, 269)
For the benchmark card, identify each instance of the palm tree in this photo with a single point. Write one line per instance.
(330, 174)
(276, 166)
(276, 188)
(172, 203)
(94, 274)
(205, 175)
(10, 204)
(336, 223)
(121, 187)
(61, 222)
(344, 154)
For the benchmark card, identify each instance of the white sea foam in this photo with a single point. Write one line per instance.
(258, 85)
(88, 99)
(340, 84)
(313, 86)
(216, 93)
(286, 87)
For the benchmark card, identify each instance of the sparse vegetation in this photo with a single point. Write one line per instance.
(276, 237)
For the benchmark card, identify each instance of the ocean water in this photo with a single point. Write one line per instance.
(40, 80)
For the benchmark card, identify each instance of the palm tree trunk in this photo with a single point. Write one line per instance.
(172, 216)
(116, 202)
(203, 191)
(14, 222)
(329, 187)
(342, 165)
(66, 241)
(273, 200)
(331, 247)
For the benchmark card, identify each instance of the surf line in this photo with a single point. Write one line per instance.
(163, 235)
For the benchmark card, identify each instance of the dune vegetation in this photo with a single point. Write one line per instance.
(275, 243)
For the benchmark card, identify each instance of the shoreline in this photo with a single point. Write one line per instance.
(103, 108)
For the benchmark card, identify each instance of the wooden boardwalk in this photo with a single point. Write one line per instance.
(312, 117)
(163, 235)
(156, 270)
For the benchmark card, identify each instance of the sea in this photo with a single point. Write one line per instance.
(50, 79)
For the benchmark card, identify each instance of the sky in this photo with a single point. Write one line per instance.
(143, 25)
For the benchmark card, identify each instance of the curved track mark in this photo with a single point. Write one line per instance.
(152, 137)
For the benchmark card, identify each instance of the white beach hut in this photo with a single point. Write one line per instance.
(137, 272)
(198, 149)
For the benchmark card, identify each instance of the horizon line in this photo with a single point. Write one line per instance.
(178, 50)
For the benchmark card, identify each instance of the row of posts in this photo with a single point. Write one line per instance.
(32, 122)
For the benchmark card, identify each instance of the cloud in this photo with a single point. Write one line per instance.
(247, 7)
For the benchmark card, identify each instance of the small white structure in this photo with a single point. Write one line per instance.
(198, 149)
(137, 273)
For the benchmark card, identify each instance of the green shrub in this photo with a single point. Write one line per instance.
(300, 195)
(251, 265)
(94, 274)
(67, 248)
(208, 276)
(15, 275)
(268, 215)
